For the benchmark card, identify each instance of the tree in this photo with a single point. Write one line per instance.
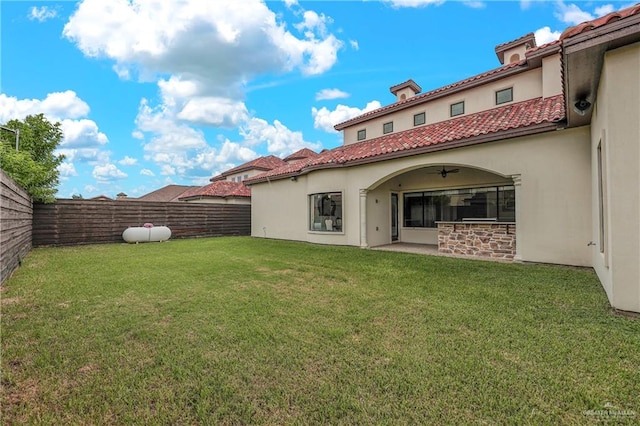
(34, 166)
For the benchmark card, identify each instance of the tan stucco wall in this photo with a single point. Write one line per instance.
(518, 50)
(553, 214)
(527, 85)
(248, 173)
(616, 122)
(551, 76)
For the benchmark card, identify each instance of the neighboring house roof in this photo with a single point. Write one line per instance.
(262, 163)
(101, 198)
(300, 155)
(166, 194)
(517, 119)
(599, 22)
(218, 189)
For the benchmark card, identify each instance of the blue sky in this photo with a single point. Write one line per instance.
(151, 93)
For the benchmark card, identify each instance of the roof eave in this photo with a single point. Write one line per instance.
(583, 58)
(475, 140)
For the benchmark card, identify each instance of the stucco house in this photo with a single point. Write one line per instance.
(537, 160)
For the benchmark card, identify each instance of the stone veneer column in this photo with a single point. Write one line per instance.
(517, 183)
(363, 218)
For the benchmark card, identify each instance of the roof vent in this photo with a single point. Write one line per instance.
(405, 90)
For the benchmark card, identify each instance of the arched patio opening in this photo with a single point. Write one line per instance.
(457, 209)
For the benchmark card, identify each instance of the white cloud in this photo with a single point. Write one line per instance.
(181, 150)
(325, 119)
(604, 9)
(414, 3)
(89, 155)
(67, 169)
(278, 137)
(331, 94)
(128, 161)
(107, 173)
(354, 44)
(64, 104)
(82, 139)
(544, 35)
(42, 14)
(234, 152)
(81, 134)
(91, 189)
(55, 106)
(202, 55)
(474, 4)
(167, 134)
(214, 111)
(571, 14)
(220, 45)
(168, 170)
(147, 172)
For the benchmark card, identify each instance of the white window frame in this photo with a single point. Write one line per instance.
(325, 216)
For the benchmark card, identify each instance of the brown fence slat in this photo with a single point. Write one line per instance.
(16, 215)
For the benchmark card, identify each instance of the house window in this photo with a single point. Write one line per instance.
(419, 119)
(504, 96)
(424, 209)
(362, 134)
(325, 212)
(387, 127)
(245, 177)
(457, 109)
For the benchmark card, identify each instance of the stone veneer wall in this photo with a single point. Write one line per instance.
(486, 240)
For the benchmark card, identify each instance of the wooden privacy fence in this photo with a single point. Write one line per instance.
(73, 222)
(15, 225)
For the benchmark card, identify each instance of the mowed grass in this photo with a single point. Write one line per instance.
(254, 331)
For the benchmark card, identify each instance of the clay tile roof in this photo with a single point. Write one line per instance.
(552, 46)
(261, 163)
(221, 189)
(599, 22)
(301, 154)
(433, 94)
(482, 126)
(409, 83)
(166, 193)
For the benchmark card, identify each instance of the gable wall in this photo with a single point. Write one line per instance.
(616, 124)
(251, 173)
(527, 85)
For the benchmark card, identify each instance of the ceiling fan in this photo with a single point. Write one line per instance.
(444, 172)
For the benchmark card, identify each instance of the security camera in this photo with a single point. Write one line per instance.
(581, 106)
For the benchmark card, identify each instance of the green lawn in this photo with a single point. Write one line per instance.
(253, 331)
